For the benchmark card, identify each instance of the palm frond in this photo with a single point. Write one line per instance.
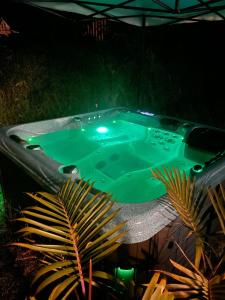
(218, 202)
(193, 284)
(90, 280)
(189, 202)
(68, 229)
(156, 290)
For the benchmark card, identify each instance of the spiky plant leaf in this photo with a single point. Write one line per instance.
(218, 202)
(189, 202)
(156, 290)
(193, 284)
(68, 229)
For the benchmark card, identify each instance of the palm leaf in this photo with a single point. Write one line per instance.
(55, 276)
(156, 290)
(51, 267)
(200, 287)
(193, 284)
(62, 286)
(190, 203)
(43, 217)
(218, 202)
(68, 229)
(90, 280)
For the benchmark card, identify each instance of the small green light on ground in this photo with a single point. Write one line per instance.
(30, 139)
(124, 274)
(114, 121)
(102, 129)
(82, 129)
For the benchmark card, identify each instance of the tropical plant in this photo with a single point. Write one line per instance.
(190, 203)
(206, 278)
(156, 290)
(195, 284)
(67, 229)
(218, 201)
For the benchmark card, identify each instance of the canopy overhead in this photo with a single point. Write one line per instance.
(138, 12)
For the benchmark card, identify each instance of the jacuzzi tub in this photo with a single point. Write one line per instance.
(117, 149)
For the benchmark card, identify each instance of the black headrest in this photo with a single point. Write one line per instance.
(209, 139)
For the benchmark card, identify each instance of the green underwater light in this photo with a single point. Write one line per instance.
(102, 130)
(197, 169)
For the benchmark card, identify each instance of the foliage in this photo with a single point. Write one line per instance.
(157, 290)
(67, 229)
(194, 283)
(71, 79)
(206, 278)
(218, 202)
(190, 203)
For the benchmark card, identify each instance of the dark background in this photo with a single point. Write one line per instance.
(52, 68)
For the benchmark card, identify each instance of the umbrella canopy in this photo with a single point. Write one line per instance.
(138, 12)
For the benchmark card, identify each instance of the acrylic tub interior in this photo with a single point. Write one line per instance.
(118, 155)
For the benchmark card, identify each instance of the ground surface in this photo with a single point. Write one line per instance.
(12, 282)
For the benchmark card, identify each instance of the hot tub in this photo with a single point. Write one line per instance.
(117, 149)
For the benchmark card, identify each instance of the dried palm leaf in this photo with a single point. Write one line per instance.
(156, 290)
(193, 284)
(190, 203)
(68, 227)
(218, 202)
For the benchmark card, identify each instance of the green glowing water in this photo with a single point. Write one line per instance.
(118, 156)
